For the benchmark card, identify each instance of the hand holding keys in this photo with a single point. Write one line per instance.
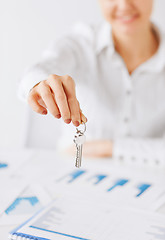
(79, 140)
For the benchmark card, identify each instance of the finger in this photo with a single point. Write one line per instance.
(60, 97)
(48, 100)
(41, 102)
(33, 102)
(83, 118)
(69, 88)
(74, 109)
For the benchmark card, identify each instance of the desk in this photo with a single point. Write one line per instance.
(48, 164)
(4, 231)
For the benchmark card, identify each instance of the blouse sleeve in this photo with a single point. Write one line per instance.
(142, 150)
(60, 58)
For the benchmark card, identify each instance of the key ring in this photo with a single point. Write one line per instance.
(80, 131)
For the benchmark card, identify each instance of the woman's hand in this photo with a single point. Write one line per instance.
(94, 149)
(57, 94)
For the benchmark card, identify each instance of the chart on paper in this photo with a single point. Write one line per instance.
(72, 218)
(125, 190)
(25, 205)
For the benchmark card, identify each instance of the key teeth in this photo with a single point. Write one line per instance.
(77, 163)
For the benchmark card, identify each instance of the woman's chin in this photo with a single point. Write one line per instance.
(127, 29)
(129, 26)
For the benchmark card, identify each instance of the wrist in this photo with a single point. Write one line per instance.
(108, 148)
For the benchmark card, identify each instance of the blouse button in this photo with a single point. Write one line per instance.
(133, 159)
(126, 120)
(157, 161)
(128, 92)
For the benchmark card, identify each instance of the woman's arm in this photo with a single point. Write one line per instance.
(48, 85)
(146, 151)
(60, 58)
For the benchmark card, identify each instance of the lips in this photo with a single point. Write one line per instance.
(127, 18)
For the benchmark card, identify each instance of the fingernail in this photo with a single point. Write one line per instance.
(67, 121)
(84, 119)
(76, 123)
(58, 116)
(44, 112)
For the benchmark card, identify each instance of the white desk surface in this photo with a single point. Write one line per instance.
(4, 230)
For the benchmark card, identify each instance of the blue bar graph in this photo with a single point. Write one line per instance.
(3, 165)
(73, 176)
(98, 178)
(32, 200)
(120, 182)
(142, 187)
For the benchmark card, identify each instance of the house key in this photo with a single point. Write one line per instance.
(79, 140)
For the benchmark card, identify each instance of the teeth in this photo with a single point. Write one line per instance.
(127, 18)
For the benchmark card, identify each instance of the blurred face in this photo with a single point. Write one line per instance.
(127, 16)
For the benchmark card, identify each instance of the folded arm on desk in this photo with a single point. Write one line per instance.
(147, 151)
(93, 149)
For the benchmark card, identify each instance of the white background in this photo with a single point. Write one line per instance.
(26, 27)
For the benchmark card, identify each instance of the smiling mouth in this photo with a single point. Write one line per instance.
(127, 19)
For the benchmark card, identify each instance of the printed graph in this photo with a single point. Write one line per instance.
(23, 204)
(72, 176)
(3, 165)
(97, 179)
(52, 219)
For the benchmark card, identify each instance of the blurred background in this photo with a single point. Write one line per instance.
(27, 27)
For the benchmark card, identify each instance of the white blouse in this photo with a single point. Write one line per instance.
(127, 109)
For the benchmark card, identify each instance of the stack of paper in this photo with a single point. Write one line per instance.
(101, 200)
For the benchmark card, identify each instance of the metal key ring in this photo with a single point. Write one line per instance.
(80, 131)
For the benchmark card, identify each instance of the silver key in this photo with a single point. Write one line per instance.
(79, 139)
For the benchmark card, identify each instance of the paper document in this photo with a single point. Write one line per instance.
(11, 187)
(25, 205)
(113, 185)
(72, 217)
